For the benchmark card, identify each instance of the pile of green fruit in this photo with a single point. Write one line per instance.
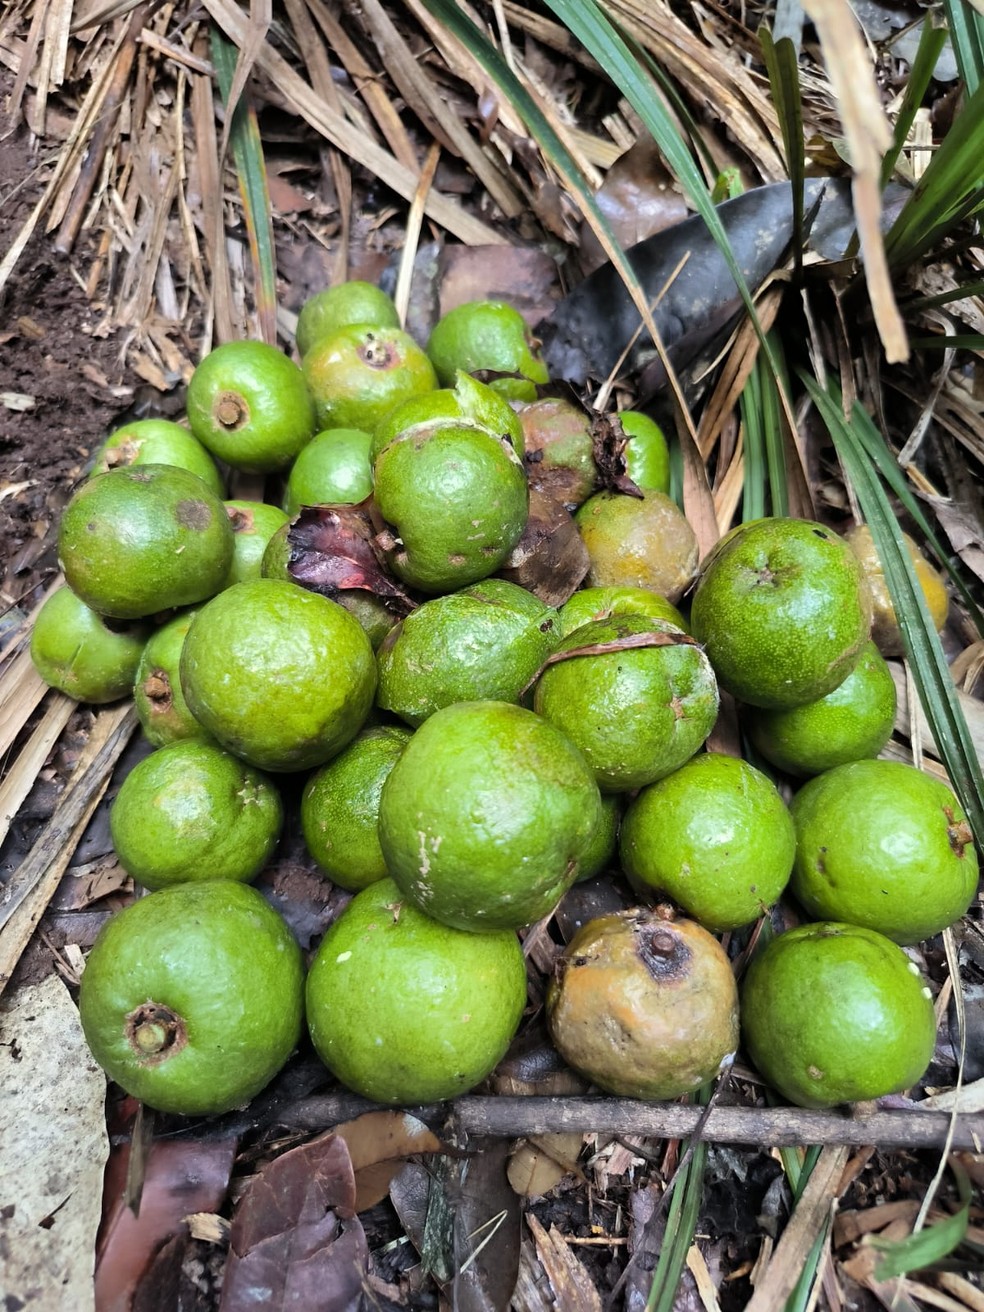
(477, 734)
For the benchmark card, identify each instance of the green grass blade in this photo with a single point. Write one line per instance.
(753, 482)
(940, 342)
(878, 452)
(944, 298)
(949, 190)
(799, 1299)
(783, 69)
(931, 42)
(922, 646)
(247, 152)
(926, 1246)
(775, 443)
(967, 34)
(681, 1224)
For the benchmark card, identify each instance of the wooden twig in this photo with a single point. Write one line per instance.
(508, 1117)
(32, 885)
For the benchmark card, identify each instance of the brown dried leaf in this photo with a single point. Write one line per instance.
(378, 1144)
(610, 441)
(486, 1230)
(550, 559)
(523, 276)
(295, 1241)
(332, 550)
(639, 197)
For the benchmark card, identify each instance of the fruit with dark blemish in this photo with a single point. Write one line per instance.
(644, 1004)
(143, 539)
(883, 845)
(164, 715)
(249, 405)
(253, 525)
(361, 372)
(559, 450)
(192, 998)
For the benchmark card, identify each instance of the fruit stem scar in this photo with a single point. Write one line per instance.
(662, 952)
(958, 832)
(230, 410)
(155, 1033)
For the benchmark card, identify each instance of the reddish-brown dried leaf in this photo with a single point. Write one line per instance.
(379, 1143)
(181, 1176)
(332, 550)
(295, 1241)
(550, 559)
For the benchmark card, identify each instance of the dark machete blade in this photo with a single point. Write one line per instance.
(587, 332)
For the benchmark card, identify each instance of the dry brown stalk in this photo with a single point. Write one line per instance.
(21, 776)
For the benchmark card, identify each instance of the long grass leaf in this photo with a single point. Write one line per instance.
(681, 1224)
(944, 298)
(799, 1299)
(753, 486)
(932, 39)
(783, 69)
(884, 461)
(247, 152)
(949, 190)
(922, 646)
(926, 1246)
(941, 341)
(967, 34)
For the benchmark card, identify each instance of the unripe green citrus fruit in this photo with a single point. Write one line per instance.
(192, 998)
(644, 1005)
(141, 540)
(644, 543)
(647, 457)
(158, 442)
(77, 652)
(361, 372)
(600, 852)
(852, 722)
(589, 604)
(485, 643)
(405, 1010)
(882, 844)
(782, 611)
(635, 695)
(280, 676)
(490, 339)
(715, 836)
(469, 404)
(336, 307)
(485, 818)
(248, 404)
(333, 469)
(253, 525)
(835, 1013)
(340, 807)
(164, 715)
(192, 812)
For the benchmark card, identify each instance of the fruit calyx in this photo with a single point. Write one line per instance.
(231, 411)
(155, 1033)
(157, 689)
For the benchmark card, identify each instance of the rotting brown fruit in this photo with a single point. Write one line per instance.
(559, 450)
(645, 1005)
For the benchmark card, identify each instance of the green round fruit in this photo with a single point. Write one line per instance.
(157, 442)
(192, 812)
(487, 815)
(359, 373)
(852, 722)
(642, 543)
(635, 695)
(490, 339)
(253, 525)
(249, 405)
(485, 643)
(405, 1010)
(834, 1013)
(337, 307)
(782, 612)
(340, 807)
(647, 457)
(601, 849)
(591, 604)
(644, 1005)
(77, 652)
(333, 469)
(280, 676)
(164, 715)
(882, 844)
(715, 836)
(457, 503)
(141, 540)
(192, 998)
(469, 404)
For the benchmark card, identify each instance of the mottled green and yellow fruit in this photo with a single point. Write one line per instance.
(640, 542)
(885, 630)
